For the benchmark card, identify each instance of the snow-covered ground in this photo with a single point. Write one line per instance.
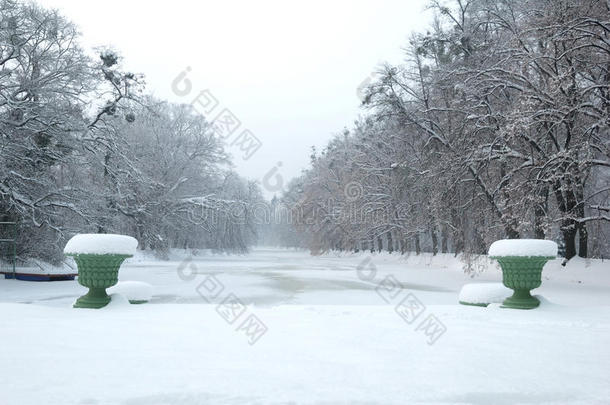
(335, 329)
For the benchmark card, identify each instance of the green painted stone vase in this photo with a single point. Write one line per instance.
(522, 274)
(97, 272)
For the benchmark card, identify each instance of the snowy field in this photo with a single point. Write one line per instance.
(336, 329)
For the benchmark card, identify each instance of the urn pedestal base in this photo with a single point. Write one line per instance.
(95, 298)
(521, 299)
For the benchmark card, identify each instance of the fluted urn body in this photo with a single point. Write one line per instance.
(97, 272)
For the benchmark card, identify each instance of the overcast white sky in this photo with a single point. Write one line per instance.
(288, 70)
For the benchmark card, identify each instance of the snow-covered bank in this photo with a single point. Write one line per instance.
(331, 337)
(186, 354)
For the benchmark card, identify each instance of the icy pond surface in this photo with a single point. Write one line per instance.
(283, 327)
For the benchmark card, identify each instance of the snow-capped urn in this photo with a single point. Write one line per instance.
(523, 248)
(101, 244)
(522, 261)
(99, 257)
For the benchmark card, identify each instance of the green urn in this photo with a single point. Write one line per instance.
(98, 257)
(522, 261)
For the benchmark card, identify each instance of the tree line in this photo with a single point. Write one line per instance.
(495, 126)
(84, 149)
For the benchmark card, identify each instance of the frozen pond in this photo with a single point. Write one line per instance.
(264, 277)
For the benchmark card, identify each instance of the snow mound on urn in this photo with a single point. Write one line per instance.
(99, 244)
(523, 248)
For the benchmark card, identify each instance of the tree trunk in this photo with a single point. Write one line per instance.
(417, 246)
(508, 217)
(569, 240)
(566, 204)
(444, 238)
(458, 233)
(583, 240)
(434, 240)
(583, 235)
(511, 232)
(540, 210)
(390, 243)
